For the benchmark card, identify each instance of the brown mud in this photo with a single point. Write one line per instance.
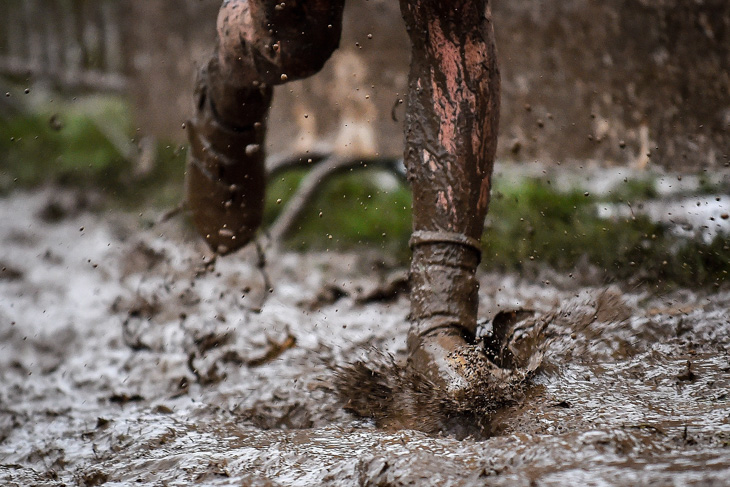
(124, 359)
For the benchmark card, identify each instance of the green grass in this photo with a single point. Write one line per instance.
(349, 211)
(65, 143)
(633, 190)
(532, 223)
(86, 144)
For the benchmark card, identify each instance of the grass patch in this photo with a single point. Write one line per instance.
(531, 223)
(66, 143)
(86, 143)
(350, 211)
(633, 190)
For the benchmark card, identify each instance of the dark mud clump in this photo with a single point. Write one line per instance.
(397, 396)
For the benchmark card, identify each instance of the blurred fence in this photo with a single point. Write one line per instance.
(70, 43)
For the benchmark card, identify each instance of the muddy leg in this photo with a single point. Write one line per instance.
(260, 43)
(451, 132)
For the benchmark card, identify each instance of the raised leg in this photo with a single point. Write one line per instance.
(261, 43)
(451, 135)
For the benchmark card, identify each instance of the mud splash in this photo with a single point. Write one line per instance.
(124, 359)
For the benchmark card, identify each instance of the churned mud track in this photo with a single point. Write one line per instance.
(124, 358)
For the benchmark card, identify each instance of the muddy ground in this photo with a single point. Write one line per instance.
(124, 359)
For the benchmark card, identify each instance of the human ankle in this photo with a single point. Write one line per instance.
(444, 288)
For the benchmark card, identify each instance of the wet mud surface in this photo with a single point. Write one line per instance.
(124, 359)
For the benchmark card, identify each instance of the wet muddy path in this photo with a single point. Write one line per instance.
(124, 360)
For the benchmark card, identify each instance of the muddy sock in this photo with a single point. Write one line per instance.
(444, 288)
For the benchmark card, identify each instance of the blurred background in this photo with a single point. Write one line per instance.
(612, 112)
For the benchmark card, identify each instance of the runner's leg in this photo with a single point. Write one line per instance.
(451, 135)
(261, 43)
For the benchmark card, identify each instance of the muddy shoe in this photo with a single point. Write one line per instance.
(226, 177)
(445, 357)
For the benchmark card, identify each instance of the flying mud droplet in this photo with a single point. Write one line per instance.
(226, 233)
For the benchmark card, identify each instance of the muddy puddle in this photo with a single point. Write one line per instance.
(125, 359)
